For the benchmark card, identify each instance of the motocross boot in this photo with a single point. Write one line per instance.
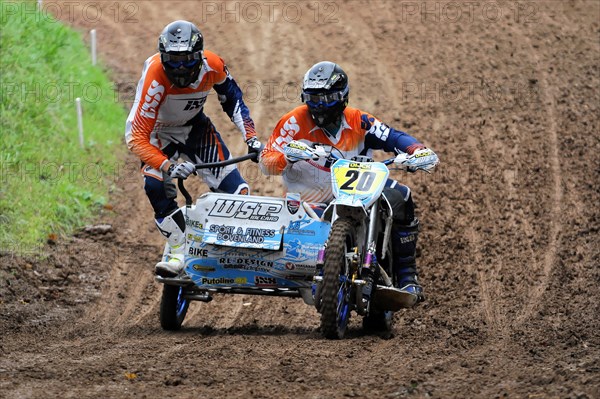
(172, 261)
(173, 228)
(404, 246)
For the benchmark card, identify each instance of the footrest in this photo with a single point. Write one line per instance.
(393, 299)
(179, 280)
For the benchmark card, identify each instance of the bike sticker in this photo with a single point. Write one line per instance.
(223, 280)
(262, 281)
(246, 210)
(201, 268)
(293, 202)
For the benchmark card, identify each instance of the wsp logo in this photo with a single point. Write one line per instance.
(248, 210)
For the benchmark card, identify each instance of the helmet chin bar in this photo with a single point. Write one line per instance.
(184, 77)
(330, 124)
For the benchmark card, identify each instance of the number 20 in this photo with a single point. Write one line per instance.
(364, 181)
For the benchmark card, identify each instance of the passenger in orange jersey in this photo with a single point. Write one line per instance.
(325, 118)
(167, 123)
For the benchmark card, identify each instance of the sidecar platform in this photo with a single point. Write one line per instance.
(192, 292)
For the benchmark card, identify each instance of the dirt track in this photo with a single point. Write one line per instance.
(508, 97)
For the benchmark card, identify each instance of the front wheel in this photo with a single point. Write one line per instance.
(173, 307)
(337, 280)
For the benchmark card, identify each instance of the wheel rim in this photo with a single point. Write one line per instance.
(181, 303)
(335, 306)
(343, 308)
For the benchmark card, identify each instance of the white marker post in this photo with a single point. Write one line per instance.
(93, 40)
(39, 4)
(79, 120)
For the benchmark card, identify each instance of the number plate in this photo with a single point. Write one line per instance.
(362, 181)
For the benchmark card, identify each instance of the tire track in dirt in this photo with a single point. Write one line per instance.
(493, 316)
(550, 252)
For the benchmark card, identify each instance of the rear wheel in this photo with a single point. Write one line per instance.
(337, 280)
(173, 307)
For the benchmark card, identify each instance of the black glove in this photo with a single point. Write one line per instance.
(254, 145)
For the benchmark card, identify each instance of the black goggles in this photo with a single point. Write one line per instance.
(186, 60)
(322, 98)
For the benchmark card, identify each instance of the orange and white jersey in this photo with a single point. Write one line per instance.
(161, 111)
(360, 133)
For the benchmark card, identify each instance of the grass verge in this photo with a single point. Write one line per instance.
(49, 185)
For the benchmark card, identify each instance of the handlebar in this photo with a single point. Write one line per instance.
(181, 186)
(329, 153)
(252, 155)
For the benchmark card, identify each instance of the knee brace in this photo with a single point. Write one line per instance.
(400, 200)
(172, 227)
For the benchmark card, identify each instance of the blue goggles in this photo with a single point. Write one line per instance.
(322, 99)
(177, 61)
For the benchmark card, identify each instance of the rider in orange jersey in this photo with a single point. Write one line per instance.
(167, 123)
(326, 119)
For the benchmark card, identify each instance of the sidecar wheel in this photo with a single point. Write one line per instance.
(378, 321)
(337, 281)
(173, 307)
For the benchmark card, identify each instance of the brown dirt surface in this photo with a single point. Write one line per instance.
(506, 93)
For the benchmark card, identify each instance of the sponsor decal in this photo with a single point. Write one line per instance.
(245, 262)
(408, 238)
(265, 281)
(201, 268)
(294, 248)
(287, 132)
(193, 223)
(195, 103)
(194, 237)
(152, 99)
(293, 206)
(356, 165)
(299, 266)
(296, 228)
(231, 252)
(298, 277)
(293, 202)
(246, 210)
(198, 252)
(223, 280)
(238, 234)
(422, 154)
(297, 146)
(249, 268)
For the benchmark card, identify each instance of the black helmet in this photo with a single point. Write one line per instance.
(325, 91)
(180, 45)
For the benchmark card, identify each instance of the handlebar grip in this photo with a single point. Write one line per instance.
(180, 182)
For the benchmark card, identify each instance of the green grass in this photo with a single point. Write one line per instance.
(48, 184)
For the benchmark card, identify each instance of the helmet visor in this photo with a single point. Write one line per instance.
(326, 99)
(176, 60)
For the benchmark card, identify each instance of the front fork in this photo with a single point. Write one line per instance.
(369, 267)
